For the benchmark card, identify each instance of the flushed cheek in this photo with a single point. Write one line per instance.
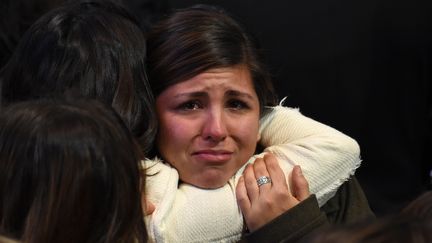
(172, 135)
(246, 137)
(247, 132)
(175, 131)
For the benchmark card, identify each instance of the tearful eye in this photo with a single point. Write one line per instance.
(190, 105)
(237, 105)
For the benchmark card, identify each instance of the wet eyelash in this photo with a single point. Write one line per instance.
(238, 104)
(189, 105)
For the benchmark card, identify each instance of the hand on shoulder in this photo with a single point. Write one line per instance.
(262, 200)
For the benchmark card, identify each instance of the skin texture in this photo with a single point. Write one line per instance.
(261, 204)
(148, 207)
(208, 129)
(209, 125)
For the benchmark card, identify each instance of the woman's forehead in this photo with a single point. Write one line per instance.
(234, 81)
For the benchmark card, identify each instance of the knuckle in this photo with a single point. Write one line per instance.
(258, 162)
(250, 183)
(282, 195)
(241, 198)
(267, 202)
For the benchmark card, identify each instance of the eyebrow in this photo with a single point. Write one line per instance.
(191, 94)
(229, 93)
(237, 93)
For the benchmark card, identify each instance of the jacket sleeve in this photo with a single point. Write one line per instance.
(348, 205)
(291, 226)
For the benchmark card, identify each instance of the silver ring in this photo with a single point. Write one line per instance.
(263, 180)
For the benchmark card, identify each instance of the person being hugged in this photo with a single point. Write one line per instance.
(216, 108)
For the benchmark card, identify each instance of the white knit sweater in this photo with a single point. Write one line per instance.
(185, 213)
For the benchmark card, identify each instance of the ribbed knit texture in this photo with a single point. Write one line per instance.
(327, 157)
(188, 213)
(185, 213)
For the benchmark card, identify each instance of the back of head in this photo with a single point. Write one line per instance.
(421, 207)
(196, 39)
(16, 16)
(94, 48)
(68, 173)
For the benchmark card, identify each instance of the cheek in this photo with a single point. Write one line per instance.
(248, 131)
(174, 134)
(167, 141)
(168, 130)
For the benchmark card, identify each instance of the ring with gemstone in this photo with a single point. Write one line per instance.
(263, 180)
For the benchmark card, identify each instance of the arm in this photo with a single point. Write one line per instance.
(262, 203)
(348, 205)
(292, 225)
(272, 211)
(327, 157)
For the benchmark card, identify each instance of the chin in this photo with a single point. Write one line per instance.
(209, 183)
(209, 178)
(211, 186)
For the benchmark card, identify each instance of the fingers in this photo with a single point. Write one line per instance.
(260, 170)
(250, 183)
(268, 201)
(242, 196)
(299, 184)
(261, 204)
(275, 171)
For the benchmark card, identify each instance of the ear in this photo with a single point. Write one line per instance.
(258, 136)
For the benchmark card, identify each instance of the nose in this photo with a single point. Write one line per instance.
(215, 127)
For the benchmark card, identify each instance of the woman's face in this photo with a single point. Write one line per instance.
(209, 125)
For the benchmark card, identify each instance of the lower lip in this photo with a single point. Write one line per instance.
(213, 158)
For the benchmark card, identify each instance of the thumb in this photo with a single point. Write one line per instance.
(300, 186)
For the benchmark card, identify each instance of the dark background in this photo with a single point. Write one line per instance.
(363, 67)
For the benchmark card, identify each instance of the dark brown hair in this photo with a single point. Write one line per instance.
(193, 40)
(94, 48)
(421, 207)
(69, 173)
